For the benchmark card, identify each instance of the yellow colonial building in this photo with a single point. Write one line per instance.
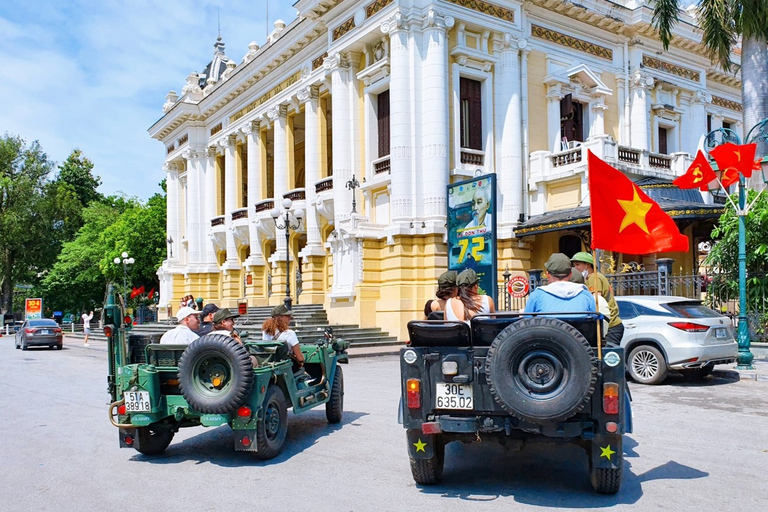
(351, 121)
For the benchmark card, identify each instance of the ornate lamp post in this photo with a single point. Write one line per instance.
(169, 241)
(352, 185)
(290, 221)
(125, 261)
(758, 133)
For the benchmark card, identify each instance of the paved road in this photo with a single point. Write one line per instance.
(695, 447)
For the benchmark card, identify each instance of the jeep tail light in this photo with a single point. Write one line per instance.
(128, 440)
(121, 410)
(245, 441)
(431, 427)
(244, 412)
(413, 387)
(611, 398)
(689, 326)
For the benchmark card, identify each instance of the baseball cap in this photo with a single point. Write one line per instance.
(583, 257)
(223, 314)
(281, 310)
(576, 276)
(209, 308)
(558, 264)
(467, 277)
(447, 279)
(184, 312)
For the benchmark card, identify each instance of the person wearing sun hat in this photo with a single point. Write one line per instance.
(276, 328)
(468, 303)
(597, 282)
(446, 289)
(560, 295)
(183, 334)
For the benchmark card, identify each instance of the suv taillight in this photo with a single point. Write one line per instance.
(611, 398)
(689, 326)
(413, 387)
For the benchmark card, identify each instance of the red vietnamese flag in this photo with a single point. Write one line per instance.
(624, 218)
(151, 293)
(732, 160)
(698, 175)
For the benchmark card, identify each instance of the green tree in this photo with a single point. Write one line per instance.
(77, 171)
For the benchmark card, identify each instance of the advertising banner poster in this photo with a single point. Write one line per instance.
(33, 309)
(472, 229)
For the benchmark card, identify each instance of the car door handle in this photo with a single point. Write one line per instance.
(630, 326)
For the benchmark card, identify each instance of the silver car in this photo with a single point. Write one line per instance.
(663, 333)
(39, 332)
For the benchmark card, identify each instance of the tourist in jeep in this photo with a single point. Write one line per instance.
(224, 323)
(206, 325)
(446, 289)
(276, 328)
(184, 333)
(561, 295)
(597, 282)
(469, 302)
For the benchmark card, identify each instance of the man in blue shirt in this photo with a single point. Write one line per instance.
(560, 295)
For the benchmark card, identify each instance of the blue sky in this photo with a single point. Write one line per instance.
(94, 74)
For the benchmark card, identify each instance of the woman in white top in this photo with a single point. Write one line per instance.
(468, 303)
(276, 328)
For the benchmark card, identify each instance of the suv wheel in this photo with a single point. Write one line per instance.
(429, 471)
(647, 365)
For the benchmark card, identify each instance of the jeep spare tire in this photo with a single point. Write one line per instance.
(215, 374)
(541, 370)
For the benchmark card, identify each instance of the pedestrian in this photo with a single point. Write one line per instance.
(598, 283)
(86, 326)
(468, 303)
(191, 302)
(208, 312)
(446, 289)
(560, 295)
(184, 333)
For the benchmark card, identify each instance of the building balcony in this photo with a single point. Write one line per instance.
(381, 166)
(324, 197)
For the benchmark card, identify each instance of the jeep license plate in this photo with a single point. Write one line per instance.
(453, 396)
(137, 401)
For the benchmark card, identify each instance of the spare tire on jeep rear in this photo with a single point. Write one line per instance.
(541, 370)
(215, 374)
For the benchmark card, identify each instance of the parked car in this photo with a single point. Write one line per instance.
(663, 333)
(41, 332)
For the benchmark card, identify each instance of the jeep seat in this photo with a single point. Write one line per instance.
(438, 333)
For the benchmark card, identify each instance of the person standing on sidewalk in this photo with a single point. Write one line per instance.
(86, 326)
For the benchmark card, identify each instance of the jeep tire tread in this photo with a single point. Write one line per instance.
(606, 480)
(541, 370)
(646, 365)
(273, 424)
(151, 441)
(334, 407)
(215, 374)
(429, 471)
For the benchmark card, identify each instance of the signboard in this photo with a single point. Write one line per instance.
(518, 287)
(472, 229)
(33, 309)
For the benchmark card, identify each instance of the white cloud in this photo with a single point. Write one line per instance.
(94, 75)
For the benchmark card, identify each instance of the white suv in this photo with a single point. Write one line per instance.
(664, 333)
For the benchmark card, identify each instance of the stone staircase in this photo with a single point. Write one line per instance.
(309, 321)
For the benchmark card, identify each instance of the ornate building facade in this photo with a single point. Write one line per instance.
(404, 98)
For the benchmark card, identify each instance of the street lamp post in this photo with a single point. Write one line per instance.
(757, 133)
(352, 185)
(125, 261)
(289, 222)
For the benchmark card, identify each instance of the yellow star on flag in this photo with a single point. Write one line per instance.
(420, 446)
(636, 210)
(606, 452)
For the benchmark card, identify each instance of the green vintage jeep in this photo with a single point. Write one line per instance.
(514, 379)
(158, 389)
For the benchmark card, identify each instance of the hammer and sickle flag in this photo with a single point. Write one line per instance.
(624, 218)
(733, 159)
(698, 175)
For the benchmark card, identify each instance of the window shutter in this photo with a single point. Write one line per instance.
(383, 109)
(472, 114)
(567, 125)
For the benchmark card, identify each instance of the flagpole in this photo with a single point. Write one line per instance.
(597, 307)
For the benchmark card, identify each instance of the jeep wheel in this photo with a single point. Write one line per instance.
(429, 471)
(647, 365)
(334, 407)
(152, 442)
(215, 374)
(606, 480)
(541, 370)
(273, 426)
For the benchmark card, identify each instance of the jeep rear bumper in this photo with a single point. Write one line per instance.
(447, 424)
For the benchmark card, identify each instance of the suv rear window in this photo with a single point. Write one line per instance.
(691, 310)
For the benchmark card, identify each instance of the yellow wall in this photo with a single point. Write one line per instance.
(564, 194)
(537, 102)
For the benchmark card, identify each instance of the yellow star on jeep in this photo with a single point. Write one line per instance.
(606, 452)
(635, 211)
(420, 446)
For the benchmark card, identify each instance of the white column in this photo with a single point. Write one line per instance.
(434, 118)
(252, 133)
(639, 112)
(341, 82)
(279, 118)
(172, 187)
(695, 122)
(553, 116)
(401, 153)
(597, 108)
(192, 216)
(230, 197)
(509, 136)
(209, 206)
(310, 97)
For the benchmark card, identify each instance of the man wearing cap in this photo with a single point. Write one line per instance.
(560, 295)
(276, 328)
(183, 334)
(446, 289)
(207, 324)
(597, 282)
(224, 323)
